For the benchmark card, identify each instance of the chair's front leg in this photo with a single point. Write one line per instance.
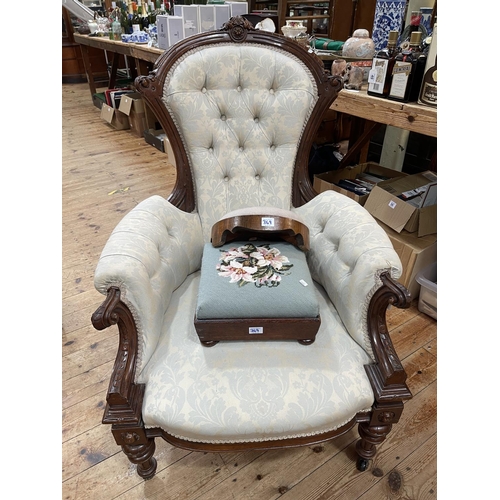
(366, 447)
(374, 432)
(138, 447)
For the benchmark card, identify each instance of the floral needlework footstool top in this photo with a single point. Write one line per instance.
(255, 279)
(261, 265)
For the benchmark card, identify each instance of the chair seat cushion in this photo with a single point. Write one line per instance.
(247, 391)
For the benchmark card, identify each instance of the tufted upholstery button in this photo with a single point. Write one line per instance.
(226, 178)
(210, 150)
(256, 119)
(273, 147)
(271, 91)
(223, 118)
(238, 88)
(204, 90)
(241, 148)
(257, 176)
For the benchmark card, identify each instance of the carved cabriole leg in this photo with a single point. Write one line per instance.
(138, 447)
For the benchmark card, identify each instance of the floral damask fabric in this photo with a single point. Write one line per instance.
(241, 112)
(148, 255)
(252, 391)
(348, 252)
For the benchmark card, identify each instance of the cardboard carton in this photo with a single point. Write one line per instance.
(329, 180)
(114, 117)
(133, 106)
(415, 254)
(385, 205)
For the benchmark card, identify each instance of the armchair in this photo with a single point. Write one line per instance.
(241, 108)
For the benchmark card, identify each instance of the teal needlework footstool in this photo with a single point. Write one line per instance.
(256, 290)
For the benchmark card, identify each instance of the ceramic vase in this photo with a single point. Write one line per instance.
(425, 18)
(293, 28)
(359, 45)
(388, 16)
(338, 67)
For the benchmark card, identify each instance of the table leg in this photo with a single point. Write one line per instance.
(114, 70)
(88, 69)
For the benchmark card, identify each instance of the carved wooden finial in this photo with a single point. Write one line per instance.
(238, 28)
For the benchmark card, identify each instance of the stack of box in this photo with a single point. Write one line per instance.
(356, 181)
(132, 106)
(192, 19)
(408, 202)
(404, 205)
(406, 208)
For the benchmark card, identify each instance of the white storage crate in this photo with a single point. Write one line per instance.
(427, 300)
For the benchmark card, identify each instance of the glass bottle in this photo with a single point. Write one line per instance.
(136, 20)
(415, 18)
(428, 90)
(379, 78)
(116, 30)
(408, 71)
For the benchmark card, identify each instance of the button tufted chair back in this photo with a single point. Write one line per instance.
(241, 114)
(240, 110)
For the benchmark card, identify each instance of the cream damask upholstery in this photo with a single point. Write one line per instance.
(240, 111)
(242, 391)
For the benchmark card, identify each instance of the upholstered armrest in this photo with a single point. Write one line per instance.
(148, 255)
(349, 251)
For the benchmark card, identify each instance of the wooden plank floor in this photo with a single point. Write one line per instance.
(105, 174)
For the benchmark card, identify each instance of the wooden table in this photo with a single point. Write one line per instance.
(141, 54)
(371, 111)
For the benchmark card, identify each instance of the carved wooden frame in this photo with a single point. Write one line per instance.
(124, 398)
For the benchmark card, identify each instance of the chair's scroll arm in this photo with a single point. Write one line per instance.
(124, 398)
(387, 375)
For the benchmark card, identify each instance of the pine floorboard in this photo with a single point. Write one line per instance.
(105, 174)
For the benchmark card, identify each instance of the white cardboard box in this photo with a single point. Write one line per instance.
(207, 17)
(191, 18)
(161, 24)
(238, 8)
(170, 30)
(222, 15)
(175, 29)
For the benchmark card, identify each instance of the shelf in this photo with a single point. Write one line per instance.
(408, 116)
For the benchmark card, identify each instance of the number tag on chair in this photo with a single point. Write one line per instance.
(267, 222)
